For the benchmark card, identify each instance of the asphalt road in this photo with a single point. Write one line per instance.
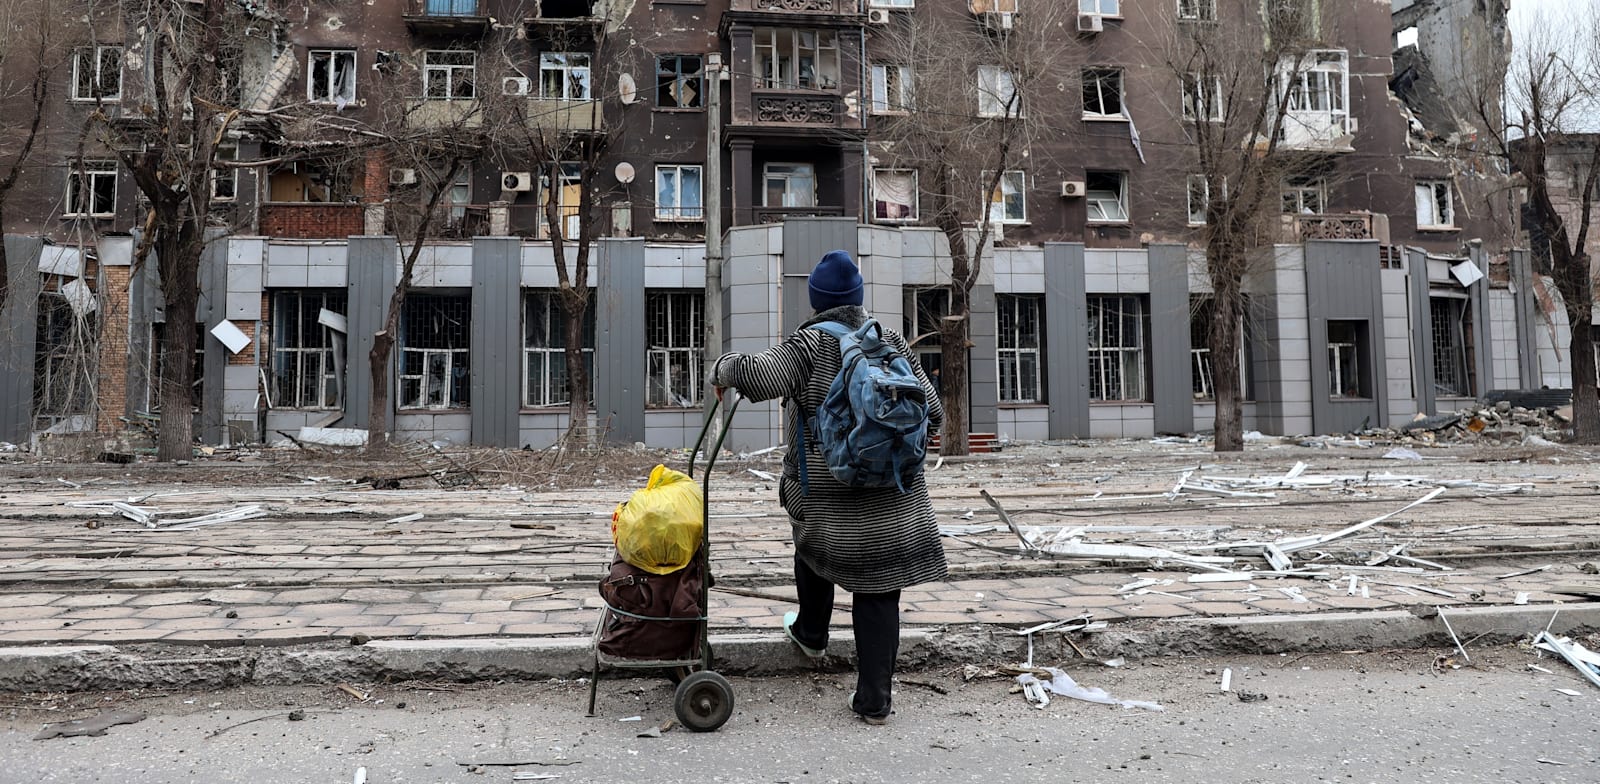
(1369, 717)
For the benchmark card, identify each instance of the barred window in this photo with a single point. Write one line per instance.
(305, 370)
(676, 323)
(66, 345)
(544, 348)
(1020, 320)
(435, 349)
(1117, 348)
(1201, 311)
(1451, 322)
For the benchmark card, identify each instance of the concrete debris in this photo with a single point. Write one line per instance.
(1038, 691)
(333, 436)
(94, 726)
(1586, 661)
(1499, 423)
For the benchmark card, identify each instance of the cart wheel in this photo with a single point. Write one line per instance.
(704, 701)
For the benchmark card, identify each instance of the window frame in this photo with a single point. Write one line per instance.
(567, 65)
(1011, 311)
(1119, 357)
(1303, 94)
(552, 386)
(883, 102)
(1300, 187)
(1434, 188)
(1458, 328)
(316, 95)
(678, 77)
(1192, 85)
(228, 174)
(1097, 8)
(451, 356)
(998, 97)
(1203, 10)
(451, 75)
(1357, 354)
(87, 173)
(896, 5)
(916, 201)
(1097, 74)
(571, 177)
(1201, 310)
(767, 175)
(1091, 201)
(678, 213)
(288, 326)
(97, 53)
(1019, 188)
(681, 363)
(769, 56)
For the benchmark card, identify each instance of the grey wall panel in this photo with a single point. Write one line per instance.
(1483, 341)
(371, 275)
(620, 369)
(1266, 355)
(1343, 283)
(1172, 388)
(1421, 344)
(1527, 339)
(496, 332)
(805, 241)
(210, 311)
(145, 310)
(983, 380)
(20, 325)
(1066, 341)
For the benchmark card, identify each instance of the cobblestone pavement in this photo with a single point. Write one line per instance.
(331, 560)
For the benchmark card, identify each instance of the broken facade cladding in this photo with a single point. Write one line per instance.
(1394, 289)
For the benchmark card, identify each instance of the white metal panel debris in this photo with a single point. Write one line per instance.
(1038, 691)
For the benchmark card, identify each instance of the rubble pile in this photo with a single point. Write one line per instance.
(1487, 423)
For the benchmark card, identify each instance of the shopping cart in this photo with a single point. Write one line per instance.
(703, 701)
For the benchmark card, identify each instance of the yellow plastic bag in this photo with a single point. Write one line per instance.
(659, 528)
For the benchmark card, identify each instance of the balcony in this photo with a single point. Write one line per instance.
(446, 17)
(1357, 226)
(439, 114)
(549, 114)
(797, 6)
(763, 215)
(799, 109)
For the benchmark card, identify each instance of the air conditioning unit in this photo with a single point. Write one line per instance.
(1072, 189)
(998, 21)
(516, 181)
(878, 16)
(1090, 23)
(514, 85)
(402, 176)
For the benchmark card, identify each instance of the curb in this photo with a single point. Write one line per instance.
(105, 667)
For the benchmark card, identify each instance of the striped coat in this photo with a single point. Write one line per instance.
(871, 540)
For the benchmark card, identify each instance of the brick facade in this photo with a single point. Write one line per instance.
(111, 393)
(311, 221)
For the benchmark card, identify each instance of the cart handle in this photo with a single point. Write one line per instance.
(731, 397)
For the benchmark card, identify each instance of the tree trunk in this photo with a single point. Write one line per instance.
(179, 264)
(383, 342)
(1573, 280)
(953, 380)
(1223, 341)
(574, 307)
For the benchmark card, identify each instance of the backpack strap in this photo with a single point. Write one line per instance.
(838, 331)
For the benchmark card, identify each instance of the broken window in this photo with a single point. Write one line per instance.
(564, 76)
(789, 185)
(1102, 93)
(544, 347)
(1347, 372)
(92, 189)
(678, 193)
(675, 325)
(797, 59)
(97, 73)
(1106, 196)
(569, 197)
(65, 349)
(997, 92)
(1116, 347)
(449, 74)
(158, 365)
(1199, 199)
(1100, 7)
(1435, 204)
(1202, 310)
(925, 309)
(1303, 196)
(435, 349)
(891, 89)
(1318, 83)
(313, 181)
(1020, 318)
(1198, 10)
(225, 179)
(307, 353)
(1451, 322)
(679, 81)
(1202, 97)
(451, 7)
(1008, 202)
(331, 76)
(894, 195)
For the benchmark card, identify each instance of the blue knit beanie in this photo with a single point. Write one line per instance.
(836, 281)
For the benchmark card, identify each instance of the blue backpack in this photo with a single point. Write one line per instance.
(872, 428)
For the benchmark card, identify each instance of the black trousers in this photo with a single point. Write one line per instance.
(876, 620)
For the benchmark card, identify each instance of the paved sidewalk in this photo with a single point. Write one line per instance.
(330, 561)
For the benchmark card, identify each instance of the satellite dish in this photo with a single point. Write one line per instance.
(624, 172)
(626, 90)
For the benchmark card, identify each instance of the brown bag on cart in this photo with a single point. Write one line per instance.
(638, 597)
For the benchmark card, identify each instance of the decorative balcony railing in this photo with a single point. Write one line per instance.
(1333, 227)
(781, 107)
(778, 214)
(798, 6)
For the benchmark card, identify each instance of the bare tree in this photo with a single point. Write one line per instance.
(965, 99)
(179, 102)
(1242, 94)
(1548, 129)
(28, 61)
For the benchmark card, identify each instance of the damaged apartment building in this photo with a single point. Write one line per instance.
(1392, 288)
